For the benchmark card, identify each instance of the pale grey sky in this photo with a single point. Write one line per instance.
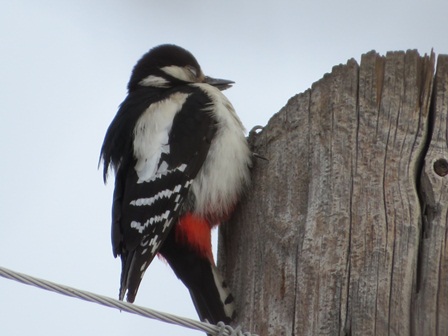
(64, 70)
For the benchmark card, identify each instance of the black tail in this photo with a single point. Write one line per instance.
(209, 292)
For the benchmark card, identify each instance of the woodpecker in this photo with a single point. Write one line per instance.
(181, 163)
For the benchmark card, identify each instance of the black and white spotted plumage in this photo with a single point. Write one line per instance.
(178, 149)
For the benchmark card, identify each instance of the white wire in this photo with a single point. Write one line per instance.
(211, 329)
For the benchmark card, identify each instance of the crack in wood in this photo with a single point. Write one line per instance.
(343, 230)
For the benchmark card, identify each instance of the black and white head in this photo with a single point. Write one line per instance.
(169, 65)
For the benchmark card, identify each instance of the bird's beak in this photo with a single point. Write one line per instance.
(221, 84)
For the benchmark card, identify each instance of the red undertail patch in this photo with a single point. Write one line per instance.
(195, 232)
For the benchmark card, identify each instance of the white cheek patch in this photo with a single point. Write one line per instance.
(179, 73)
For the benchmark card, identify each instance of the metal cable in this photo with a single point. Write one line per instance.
(221, 329)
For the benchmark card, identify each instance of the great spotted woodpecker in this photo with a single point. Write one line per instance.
(181, 162)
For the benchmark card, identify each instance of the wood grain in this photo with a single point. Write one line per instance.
(430, 315)
(328, 240)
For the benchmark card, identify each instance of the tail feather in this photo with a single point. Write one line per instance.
(209, 292)
(214, 302)
(130, 278)
(126, 260)
(134, 265)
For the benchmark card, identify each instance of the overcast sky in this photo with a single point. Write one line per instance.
(63, 73)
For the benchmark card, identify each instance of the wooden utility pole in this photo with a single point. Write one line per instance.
(344, 230)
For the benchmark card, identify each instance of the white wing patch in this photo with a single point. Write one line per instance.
(151, 135)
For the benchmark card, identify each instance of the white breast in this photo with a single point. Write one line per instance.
(225, 172)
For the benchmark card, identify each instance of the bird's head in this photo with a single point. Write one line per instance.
(168, 65)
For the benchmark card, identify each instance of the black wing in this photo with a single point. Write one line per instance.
(144, 213)
(117, 144)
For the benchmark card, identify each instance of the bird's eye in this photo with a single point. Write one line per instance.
(193, 71)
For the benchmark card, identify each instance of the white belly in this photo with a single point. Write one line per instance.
(225, 172)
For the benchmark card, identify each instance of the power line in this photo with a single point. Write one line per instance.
(219, 330)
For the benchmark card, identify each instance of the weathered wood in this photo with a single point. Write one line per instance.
(327, 240)
(430, 315)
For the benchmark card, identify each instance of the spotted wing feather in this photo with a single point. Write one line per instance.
(144, 212)
(149, 211)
